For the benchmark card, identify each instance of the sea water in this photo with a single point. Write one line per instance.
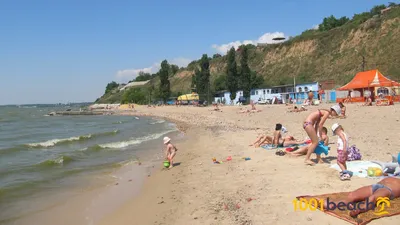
(44, 155)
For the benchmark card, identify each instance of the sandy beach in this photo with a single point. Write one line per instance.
(257, 191)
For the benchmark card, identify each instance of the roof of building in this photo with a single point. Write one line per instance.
(366, 79)
(134, 84)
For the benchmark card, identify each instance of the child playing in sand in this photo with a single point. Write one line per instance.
(170, 152)
(303, 150)
(342, 146)
(313, 125)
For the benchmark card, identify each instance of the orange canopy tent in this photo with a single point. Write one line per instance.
(368, 79)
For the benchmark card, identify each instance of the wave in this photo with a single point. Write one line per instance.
(61, 160)
(124, 144)
(157, 122)
(53, 142)
(10, 150)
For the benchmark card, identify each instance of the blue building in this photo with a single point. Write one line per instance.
(302, 90)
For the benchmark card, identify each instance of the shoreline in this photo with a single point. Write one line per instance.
(200, 192)
(93, 195)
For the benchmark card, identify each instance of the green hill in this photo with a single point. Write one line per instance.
(315, 55)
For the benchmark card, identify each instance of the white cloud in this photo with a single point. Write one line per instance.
(315, 27)
(181, 62)
(264, 39)
(130, 74)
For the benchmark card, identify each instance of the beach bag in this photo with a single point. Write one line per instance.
(353, 153)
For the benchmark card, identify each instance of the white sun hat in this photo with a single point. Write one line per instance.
(284, 130)
(337, 109)
(166, 140)
(335, 127)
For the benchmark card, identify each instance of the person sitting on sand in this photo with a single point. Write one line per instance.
(343, 108)
(170, 151)
(313, 125)
(303, 150)
(368, 101)
(348, 99)
(286, 141)
(280, 142)
(388, 187)
(262, 140)
(216, 108)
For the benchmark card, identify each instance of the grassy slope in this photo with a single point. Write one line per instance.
(317, 56)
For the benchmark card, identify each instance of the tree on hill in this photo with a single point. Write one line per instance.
(376, 10)
(173, 69)
(256, 80)
(143, 76)
(196, 79)
(220, 83)
(232, 74)
(215, 56)
(164, 81)
(203, 77)
(245, 73)
(134, 95)
(193, 84)
(331, 22)
(110, 86)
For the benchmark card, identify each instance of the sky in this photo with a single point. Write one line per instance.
(60, 51)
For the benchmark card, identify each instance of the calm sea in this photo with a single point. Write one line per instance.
(40, 155)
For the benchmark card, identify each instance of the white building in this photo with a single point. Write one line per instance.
(134, 84)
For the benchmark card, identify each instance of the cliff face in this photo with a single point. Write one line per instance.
(317, 56)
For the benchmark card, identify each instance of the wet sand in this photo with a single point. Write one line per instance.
(258, 191)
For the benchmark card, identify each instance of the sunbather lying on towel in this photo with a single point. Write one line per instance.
(388, 187)
(252, 110)
(277, 139)
(295, 109)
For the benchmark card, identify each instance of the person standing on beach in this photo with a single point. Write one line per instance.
(342, 146)
(313, 125)
(170, 152)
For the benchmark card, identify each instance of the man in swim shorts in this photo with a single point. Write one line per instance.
(388, 187)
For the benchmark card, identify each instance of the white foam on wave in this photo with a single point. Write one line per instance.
(157, 122)
(53, 142)
(124, 144)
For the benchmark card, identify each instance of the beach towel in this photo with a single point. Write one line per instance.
(359, 168)
(363, 218)
(271, 146)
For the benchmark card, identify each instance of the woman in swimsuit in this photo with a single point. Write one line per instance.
(387, 187)
(313, 126)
